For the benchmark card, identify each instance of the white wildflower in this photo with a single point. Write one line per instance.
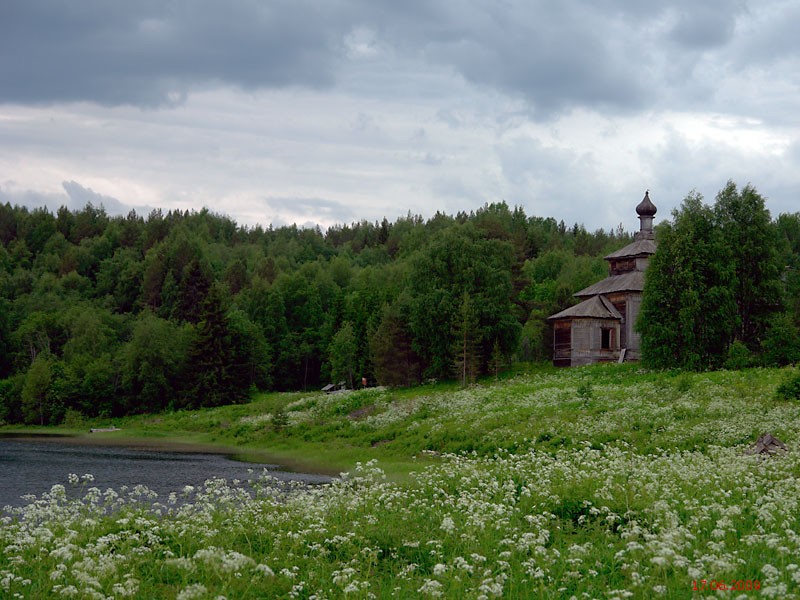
(448, 524)
(431, 588)
(264, 570)
(195, 590)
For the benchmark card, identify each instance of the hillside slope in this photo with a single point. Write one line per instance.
(595, 482)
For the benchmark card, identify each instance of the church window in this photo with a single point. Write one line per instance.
(606, 338)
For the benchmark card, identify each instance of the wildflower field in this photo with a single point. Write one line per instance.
(600, 482)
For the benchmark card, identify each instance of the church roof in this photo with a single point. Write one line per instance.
(597, 307)
(646, 208)
(641, 247)
(627, 282)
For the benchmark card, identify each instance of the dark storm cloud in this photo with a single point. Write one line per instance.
(622, 55)
(556, 54)
(153, 53)
(706, 26)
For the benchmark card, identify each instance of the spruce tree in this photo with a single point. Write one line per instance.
(752, 239)
(216, 375)
(391, 348)
(688, 313)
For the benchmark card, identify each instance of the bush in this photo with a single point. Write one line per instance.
(782, 343)
(280, 420)
(683, 383)
(739, 357)
(585, 393)
(790, 388)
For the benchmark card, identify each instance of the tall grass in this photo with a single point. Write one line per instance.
(521, 489)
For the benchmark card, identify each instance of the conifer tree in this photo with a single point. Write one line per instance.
(688, 312)
(216, 374)
(752, 239)
(391, 348)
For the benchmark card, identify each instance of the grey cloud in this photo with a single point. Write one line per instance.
(707, 26)
(448, 117)
(80, 196)
(561, 55)
(555, 61)
(432, 160)
(771, 38)
(153, 53)
(74, 197)
(680, 166)
(31, 199)
(310, 210)
(555, 55)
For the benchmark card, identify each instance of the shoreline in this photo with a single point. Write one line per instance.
(108, 439)
(99, 439)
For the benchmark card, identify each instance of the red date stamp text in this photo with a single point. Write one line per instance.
(737, 585)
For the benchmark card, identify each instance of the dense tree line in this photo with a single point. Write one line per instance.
(723, 286)
(105, 315)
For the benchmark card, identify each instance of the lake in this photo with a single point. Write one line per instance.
(29, 466)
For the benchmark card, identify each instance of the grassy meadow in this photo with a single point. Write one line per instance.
(599, 482)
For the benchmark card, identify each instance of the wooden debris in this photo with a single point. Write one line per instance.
(767, 444)
(103, 429)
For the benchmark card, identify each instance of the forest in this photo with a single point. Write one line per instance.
(108, 316)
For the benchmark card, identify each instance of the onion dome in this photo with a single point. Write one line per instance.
(646, 208)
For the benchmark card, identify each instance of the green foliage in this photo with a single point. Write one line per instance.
(11, 399)
(38, 404)
(466, 343)
(498, 361)
(391, 348)
(222, 358)
(781, 345)
(789, 389)
(459, 262)
(252, 352)
(686, 315)
(73, 419)
(713, 281)
(739, 356)
(551, 279)
(342, 355)
(118, 303)
(280, 419)
(751, 237)
(152, 365)
(6, 363)
(683, 383)
(585, 392)
(501, 488)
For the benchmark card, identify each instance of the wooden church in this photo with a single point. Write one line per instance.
(601, 328)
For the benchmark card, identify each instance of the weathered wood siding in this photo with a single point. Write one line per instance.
(587, 337)
(562, 343)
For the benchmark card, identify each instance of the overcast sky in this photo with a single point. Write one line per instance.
(331, 111)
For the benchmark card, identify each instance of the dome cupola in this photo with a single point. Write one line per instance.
(646, 211)
(646, 208)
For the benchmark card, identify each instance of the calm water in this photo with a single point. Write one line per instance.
(32, 467)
